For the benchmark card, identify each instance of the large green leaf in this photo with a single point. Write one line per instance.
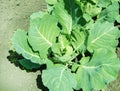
(22, 47)
(27, 64)
(98, 71)
(64, 18)
(42, 35)
(36, 17)
(103, 35)
(58, 79)
(110, 13)
(115, 0)
(104, 3)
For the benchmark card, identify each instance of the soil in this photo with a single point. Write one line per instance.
(14, 14)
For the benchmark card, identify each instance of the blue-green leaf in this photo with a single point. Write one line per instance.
(104, 3)
(110, 13)
(42, 35)
(64, 18)
(96, 73)
(103, 35)
(58, 79)
(21, 46)
(28, 64)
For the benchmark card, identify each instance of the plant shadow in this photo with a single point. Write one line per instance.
(40, 83)
(14, 57)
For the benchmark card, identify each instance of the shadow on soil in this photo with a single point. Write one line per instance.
(14, 57)
(40, 84)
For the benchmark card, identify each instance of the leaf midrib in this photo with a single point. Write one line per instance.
(43, 37)
(93, 41)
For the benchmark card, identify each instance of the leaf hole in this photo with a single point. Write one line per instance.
(103, 9)
(117, 24)
(78, 90)
(60, 26)
(87, 53)
(51, 54)
(57, 40)
(94, 18)
(77, 59)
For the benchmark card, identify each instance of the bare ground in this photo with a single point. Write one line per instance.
(14, 14)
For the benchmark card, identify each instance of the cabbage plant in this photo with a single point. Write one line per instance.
(76, 40)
